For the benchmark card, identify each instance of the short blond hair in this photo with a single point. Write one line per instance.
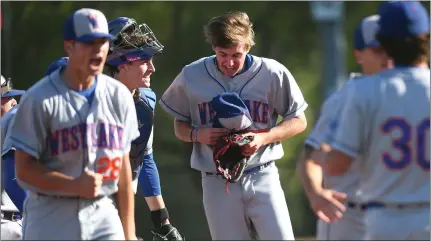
(230, 28)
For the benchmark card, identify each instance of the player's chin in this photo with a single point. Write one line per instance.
(95, 70)
(146, 82)
(230, 72)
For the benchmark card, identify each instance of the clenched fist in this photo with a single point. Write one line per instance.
(88, 185)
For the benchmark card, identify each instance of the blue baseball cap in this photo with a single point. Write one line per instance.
(86, 25)
(58, 63)
(231, 112)
(403, 19)
(365, 33)
(6, 89)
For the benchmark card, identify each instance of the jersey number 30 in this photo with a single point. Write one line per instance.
(406, 145)
(109, 168)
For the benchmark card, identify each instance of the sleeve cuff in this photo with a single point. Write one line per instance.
(312, 142)
(172, 112)
(25, 148)
(345, 149)
(296, 112)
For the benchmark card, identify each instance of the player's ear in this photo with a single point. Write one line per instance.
(68, 46)
(122, 67)
(13, 102)
(358, 56)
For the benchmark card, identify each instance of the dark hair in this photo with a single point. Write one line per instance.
(407, 50)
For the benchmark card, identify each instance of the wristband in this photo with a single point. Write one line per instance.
(195, 134)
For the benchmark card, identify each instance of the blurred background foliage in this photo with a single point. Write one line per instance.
(32, 38)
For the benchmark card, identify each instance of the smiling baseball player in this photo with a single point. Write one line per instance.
(72, 147)
(130, 60)
(327, 195)
(386, 122)
(256, 202)
(12, 194)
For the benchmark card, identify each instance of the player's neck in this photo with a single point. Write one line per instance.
(422, 65)
(76, 80)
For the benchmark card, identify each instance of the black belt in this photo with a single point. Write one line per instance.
(370, 205)
(248, 171)
(11, 216)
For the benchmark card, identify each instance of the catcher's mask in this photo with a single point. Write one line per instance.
(131, 42)
(231, 112)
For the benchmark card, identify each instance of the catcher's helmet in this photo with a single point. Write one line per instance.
(131, 42)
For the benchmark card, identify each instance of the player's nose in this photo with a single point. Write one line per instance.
(230, 63)
(151, 67)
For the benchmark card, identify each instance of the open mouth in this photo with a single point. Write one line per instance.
(96, 61)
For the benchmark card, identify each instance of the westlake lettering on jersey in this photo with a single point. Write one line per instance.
(258, 112)
(100, 135)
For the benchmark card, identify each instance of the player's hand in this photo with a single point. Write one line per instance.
(250, 148)
(327, 205)
(89, 184)
(210, 135)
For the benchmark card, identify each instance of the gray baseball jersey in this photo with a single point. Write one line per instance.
(386, 120)
(267, 88)
(58, 127)
(349, 182)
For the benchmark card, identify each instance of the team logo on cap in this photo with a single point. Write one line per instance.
(93, 21)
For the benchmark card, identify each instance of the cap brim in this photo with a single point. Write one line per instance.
(88, 38)
(13, 93)
(374, 43)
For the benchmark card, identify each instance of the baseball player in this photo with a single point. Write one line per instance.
(130, 60)
(72, 147)
(256, 202)
(12, 194)
(327, 194)
(385, 121)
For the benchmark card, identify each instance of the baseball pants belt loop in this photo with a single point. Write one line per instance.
(371, 205)
(248, 171)
(11, 216)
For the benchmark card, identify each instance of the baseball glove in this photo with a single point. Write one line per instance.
(167, 233)
(229, 160)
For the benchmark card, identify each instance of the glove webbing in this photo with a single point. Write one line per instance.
(222, 171)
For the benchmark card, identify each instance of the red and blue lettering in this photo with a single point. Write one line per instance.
(101, 135)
